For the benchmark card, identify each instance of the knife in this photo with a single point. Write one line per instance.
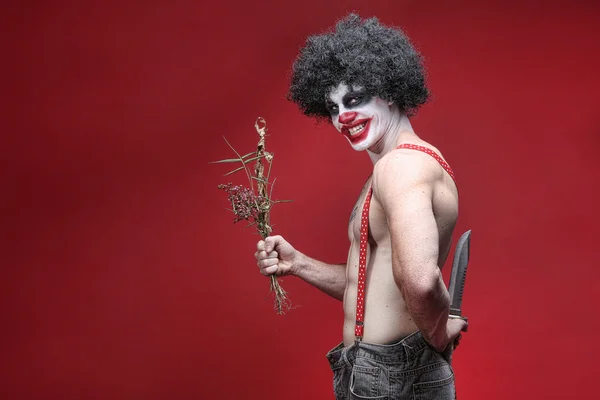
(458, 275)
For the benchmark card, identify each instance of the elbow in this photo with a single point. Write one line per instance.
(425, 288)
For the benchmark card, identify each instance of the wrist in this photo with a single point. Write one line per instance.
(437, 337)
(438, 342)
(299, 262)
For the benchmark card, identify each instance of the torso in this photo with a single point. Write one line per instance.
(386, 318)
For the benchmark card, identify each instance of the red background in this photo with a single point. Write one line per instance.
(122, 276)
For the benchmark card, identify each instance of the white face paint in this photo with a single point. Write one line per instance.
(361, 118)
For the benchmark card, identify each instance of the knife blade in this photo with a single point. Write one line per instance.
(458, 274)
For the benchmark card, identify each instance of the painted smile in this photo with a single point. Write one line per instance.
(358, 131)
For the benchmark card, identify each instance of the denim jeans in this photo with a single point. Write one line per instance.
(408, 369)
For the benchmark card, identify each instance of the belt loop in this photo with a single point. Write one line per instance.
(408, 350)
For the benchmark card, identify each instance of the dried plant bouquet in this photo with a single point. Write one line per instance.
(253, 203)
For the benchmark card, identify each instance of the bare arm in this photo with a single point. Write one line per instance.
(276, 256)
(329, 278)
(403, 183)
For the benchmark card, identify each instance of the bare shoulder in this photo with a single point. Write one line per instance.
(403, 169)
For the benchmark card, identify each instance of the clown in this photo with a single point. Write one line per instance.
(367, 80)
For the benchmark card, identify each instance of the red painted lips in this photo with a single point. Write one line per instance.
(363, 134)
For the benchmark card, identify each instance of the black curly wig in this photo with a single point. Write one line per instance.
(358, 53)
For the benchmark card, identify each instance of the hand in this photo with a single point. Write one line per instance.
(454, 329)
(276, 256)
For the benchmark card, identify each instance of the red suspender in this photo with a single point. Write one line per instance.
(364, 239)
(432, 153)
(362, 268)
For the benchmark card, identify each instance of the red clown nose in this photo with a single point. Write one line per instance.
(347, 117)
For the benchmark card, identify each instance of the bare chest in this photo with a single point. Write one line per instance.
(377, 224)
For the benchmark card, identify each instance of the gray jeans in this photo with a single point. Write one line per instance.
(408, 369)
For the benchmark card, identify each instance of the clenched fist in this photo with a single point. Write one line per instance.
(452, 336)
(276, 256)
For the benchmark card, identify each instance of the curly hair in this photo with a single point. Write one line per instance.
(363, 53)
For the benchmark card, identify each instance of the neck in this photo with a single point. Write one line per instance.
(398, 131)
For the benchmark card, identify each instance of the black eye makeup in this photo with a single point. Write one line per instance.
(331, 107)
(350, 100)
(355, 98)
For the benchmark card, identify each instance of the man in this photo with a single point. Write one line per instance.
(367, 80)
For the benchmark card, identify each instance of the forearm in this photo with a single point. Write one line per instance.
(329, 278)
(428, 306)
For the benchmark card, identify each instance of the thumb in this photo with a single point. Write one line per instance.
(270, 243)
(456, 326)
(463, 323)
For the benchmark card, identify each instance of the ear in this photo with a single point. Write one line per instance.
(390, 102)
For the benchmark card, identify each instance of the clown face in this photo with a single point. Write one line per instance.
(363, 119)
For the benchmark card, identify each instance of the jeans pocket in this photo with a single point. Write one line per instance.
(365, 383)
(436, 389)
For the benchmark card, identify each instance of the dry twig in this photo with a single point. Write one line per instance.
(253, 205)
